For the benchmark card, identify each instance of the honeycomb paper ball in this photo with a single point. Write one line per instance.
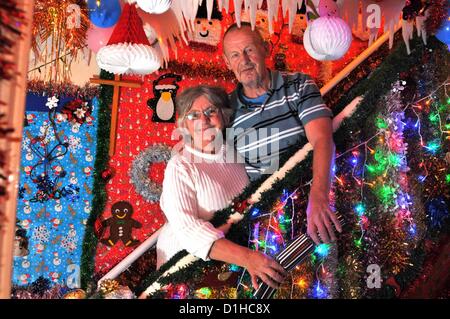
(327, 38)
(154, 6)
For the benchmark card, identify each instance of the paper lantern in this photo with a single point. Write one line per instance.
(327, 38)
(128, 50)
(154, 6)
(127, 58)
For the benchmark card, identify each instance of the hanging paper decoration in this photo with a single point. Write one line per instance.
(165, 28)
(206, 31)
(261, 22)
(410, 14)
(327, 38)
(289, 9)
(128, 50)
(104, 13)
(121, 225)
(163, 104)
(154, 6)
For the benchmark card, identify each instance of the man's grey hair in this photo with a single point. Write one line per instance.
(215, 94)
(244, 24)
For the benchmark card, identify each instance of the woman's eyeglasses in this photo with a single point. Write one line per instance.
(196, 115)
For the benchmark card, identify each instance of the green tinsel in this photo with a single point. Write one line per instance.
(99, 189)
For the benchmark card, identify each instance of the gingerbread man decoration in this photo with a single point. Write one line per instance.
(121, 225)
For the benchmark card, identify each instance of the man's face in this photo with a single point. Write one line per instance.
(245, 55)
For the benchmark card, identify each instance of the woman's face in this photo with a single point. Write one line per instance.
(203, 122)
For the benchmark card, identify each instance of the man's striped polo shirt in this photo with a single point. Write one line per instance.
(262, 132)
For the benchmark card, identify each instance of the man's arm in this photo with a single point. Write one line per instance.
(319, 215)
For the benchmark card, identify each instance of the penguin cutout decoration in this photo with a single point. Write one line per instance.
(163, 103)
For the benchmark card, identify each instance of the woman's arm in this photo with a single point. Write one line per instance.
(180, 206)
(257, 264)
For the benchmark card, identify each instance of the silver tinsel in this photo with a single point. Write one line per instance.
(147, 188)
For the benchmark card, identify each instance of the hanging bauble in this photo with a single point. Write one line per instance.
(105, 13)
(327, 38)
(154, 6)
(128, 50)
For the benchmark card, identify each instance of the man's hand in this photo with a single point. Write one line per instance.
(319, 215)
(320, 218)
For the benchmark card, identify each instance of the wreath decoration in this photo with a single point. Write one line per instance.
(145, 186)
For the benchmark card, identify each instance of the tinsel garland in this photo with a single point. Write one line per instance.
(87, 92)
(352, 270)
(148, 189)
(372, 88)
(56, 25)
(90, 241)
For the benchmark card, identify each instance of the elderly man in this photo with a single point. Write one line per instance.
(276, 110)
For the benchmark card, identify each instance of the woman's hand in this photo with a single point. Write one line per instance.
(225, 228)
(265, 268)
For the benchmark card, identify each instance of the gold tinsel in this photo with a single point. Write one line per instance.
(108, 286)
(57, 37)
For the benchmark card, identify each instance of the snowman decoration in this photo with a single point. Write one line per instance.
(163, 104)
(73, 179)
(56, 259)
(25, 263)
(87, 207)
(58, 206)
(89, 157)
(76, 127)
(27, 208)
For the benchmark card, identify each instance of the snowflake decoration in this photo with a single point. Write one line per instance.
(47, 133)
(69, 243)
(74, 143)
(52, 102)
(41, 234)
(26, 144)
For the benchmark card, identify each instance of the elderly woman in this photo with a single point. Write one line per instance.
(199, 181)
